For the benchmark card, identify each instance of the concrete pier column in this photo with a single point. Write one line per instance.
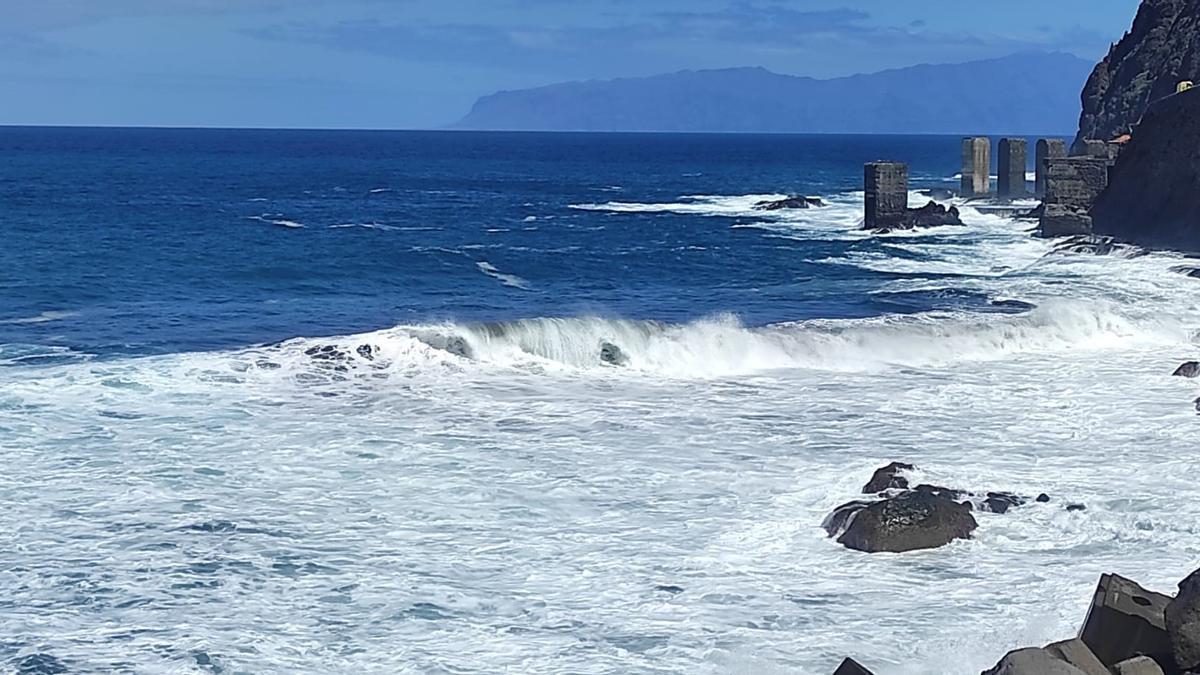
(1047, 149)
(886, 187)
(1014, 153)
(977, 166)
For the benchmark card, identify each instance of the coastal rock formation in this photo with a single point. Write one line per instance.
(888, 477)
(1183, 623)
(930, 215)
(910, 522)
(789, 203)
(1162, 48)
(909, 519)
(1151, 197)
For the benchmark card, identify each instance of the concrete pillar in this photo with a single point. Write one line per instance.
(1014, 153)
(1047, 149)
(977, 166)
(1090, 147)
(886, 187)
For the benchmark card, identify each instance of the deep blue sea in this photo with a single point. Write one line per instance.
(375, 402)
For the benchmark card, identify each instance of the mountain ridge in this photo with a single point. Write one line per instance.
(1030, 92)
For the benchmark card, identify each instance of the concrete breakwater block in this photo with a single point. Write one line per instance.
(1141, 665)
(1125, 621)
(1077, 653)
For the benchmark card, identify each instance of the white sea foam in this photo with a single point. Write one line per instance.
(488, 498)
(44, 317)
(507, 279)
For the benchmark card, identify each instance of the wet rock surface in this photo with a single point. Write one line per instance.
(912, 521)
(789, 203)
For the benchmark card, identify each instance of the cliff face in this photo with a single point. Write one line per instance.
(1161, 49)
(1153, 196)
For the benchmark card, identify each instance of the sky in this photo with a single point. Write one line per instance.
(406, 64)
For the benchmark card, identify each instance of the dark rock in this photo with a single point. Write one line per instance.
(1191, 369)
(1043, 498)
(851, 667)
(837, 521)
(40, 664)
(789, 203)
(1001, 502)
(612, 355)
(939, 491)
(1161, 49)
(933, 215)
(673, 590)
(1197, 404)
(1033, 662)
(1073, 508)
(366, 351)
(909, 522)
(1183, 623)
(887, 478)
(1126, 620)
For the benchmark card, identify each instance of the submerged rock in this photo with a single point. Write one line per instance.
(910, 522)
(1187, 271)
(1001, 502)
(888, 477)
(789, 203)
(612, 355)
(1191, 369)
(1087, 244)
(1183, 623)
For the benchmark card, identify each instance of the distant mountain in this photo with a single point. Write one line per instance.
(1024, 93)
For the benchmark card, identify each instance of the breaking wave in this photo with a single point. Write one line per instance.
(722, 346)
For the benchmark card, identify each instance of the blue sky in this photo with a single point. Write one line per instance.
(421, 63)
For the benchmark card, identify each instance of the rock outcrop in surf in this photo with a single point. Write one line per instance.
(912, 519)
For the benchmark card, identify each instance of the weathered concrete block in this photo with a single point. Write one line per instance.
(1063, 221)
(1126, 620)
(1047, 148)
(1075, 181)
(1014, 156)
(1090, 147)
(1141, 665)
(1076, 653)
(886, 201)
(1033, 662)
(851, 667)
(976, 166)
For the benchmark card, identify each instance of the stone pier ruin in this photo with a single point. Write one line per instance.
(977, 166)
(1047, 149)
(1072, 186)
(886, 187)
(1014, 153)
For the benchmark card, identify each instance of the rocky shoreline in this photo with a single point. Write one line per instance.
(1128, 630)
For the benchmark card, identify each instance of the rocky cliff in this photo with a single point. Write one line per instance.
(1153, 196)
(1161, 49)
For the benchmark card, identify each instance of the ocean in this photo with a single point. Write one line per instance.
(372, 402)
